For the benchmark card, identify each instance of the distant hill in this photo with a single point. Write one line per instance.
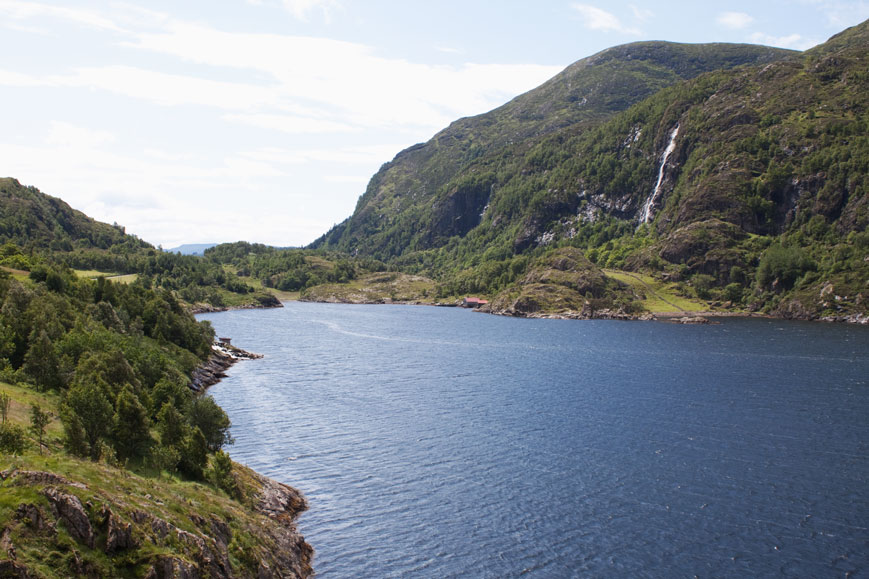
(30, 218)
(192, 248)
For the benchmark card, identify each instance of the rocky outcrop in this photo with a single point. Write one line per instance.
(12, 570)
(34, 517)
(119, 535)
(268, 544)
(214, 369)
(36, 477)
(261, 301)
(166, 567)
(68, 508)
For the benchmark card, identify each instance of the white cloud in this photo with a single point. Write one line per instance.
(63, 134)
(596, 18)
(347, 82)
(841, 14)
(365, 155)
(794, 41)
(301, 9)
(20, 10)
(734, 20)
(360, 179)
(292, 124)
(641, 13)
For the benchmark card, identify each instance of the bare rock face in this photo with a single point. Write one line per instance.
(291, 555)
(693, 320)
(279, 501)
(119, 535)
(11, 569)
(69, 509)
(34, 517)
(36, 477)
(172, 568)
(6, 544)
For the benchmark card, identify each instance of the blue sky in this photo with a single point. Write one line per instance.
(263, 120)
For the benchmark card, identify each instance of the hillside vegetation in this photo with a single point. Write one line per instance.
(744, 185)
(110, 465)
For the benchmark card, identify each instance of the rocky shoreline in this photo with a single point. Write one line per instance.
(210, 372)
(263, 303)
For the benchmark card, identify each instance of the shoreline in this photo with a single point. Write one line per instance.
(209, 309)
(213, 370)
(670, 317)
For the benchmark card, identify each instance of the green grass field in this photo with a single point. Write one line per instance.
(661, 297)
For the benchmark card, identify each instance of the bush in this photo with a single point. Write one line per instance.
(212, 421)
(702, 284)
(782, 266)
(220, 474)
(12, 438)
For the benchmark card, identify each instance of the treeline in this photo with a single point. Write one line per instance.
(290, 269)
(119, 356)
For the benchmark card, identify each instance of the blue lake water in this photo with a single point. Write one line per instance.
(439, 442)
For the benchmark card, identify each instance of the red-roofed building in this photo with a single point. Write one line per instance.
(471, 302)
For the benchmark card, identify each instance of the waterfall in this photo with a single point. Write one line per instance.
(646, 213)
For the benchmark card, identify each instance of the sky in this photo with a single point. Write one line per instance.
(263, 120)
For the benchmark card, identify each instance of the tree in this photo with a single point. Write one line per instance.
(87, 417)
(194, 455)
(41, 363)
(38, 421)
(4, 406)
(212, 421)
(131, 437)
(171, 425)
(221, 475)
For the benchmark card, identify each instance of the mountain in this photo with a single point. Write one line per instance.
(36, 228)
(30, 218)
(436, 190)
(192, 248)
(744, 185)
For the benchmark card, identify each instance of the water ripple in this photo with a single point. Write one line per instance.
(437, 442)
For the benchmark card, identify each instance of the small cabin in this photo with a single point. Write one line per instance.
(472, 302)
(225, 341)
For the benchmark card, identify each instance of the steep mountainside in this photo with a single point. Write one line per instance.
(435, 190)
(746, 185)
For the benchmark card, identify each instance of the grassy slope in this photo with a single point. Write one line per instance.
(192, 512)
(659, 297)
(375, 288)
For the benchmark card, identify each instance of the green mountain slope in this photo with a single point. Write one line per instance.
(438, 189)
(37, 229)
(745, 185)
(110, 462)
(31, 219)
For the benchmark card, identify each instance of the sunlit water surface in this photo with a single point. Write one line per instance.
(437, 442)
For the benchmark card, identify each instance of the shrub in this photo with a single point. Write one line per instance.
(220, 474)
(12, 438)
(782, 266)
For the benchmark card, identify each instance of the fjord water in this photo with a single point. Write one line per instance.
(437, 442)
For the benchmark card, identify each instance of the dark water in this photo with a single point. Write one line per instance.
(444, 443)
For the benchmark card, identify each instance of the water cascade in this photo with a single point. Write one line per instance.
(646, 214)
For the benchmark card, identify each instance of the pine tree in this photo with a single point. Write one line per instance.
(41, 363)
(131, 437)
(38, 421)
